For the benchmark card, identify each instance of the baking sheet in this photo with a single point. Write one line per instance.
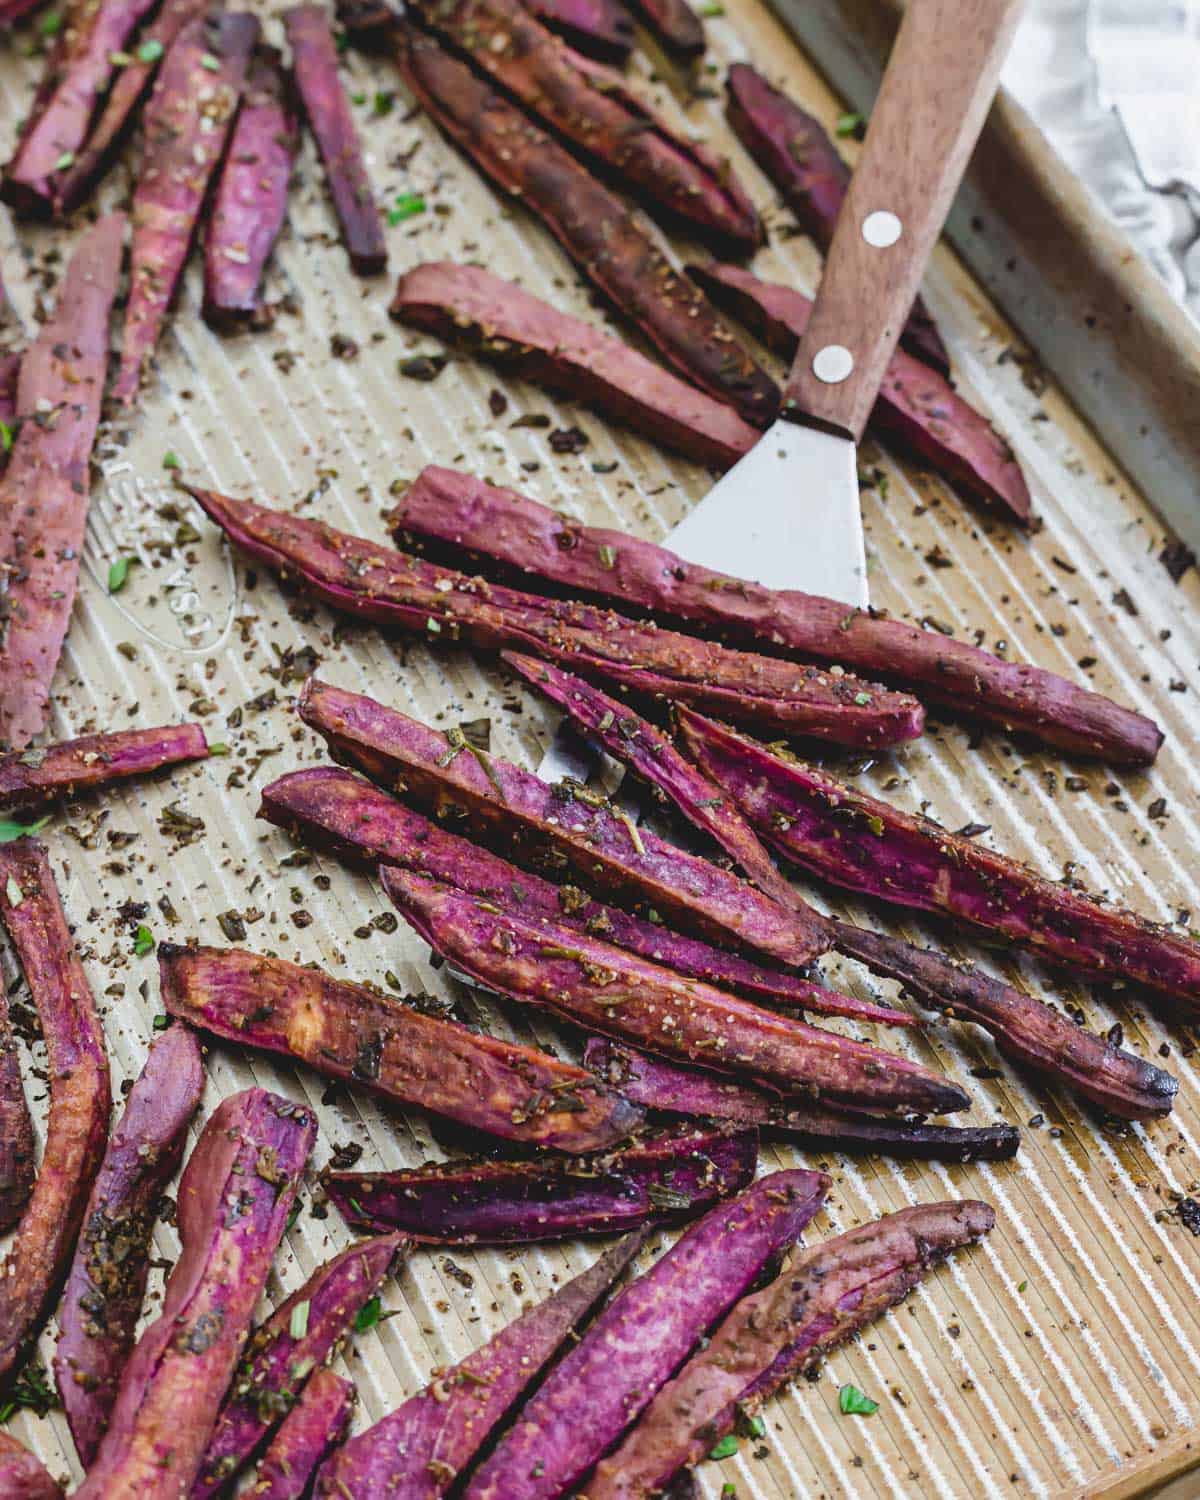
(1058, 1359)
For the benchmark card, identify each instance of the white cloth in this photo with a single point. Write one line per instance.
(1052, 74)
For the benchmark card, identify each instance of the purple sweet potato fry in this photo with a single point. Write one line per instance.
(91, 36)
(916, 405)
(12, 10)
(234, 1199)
(44, 492)
(31, 777)
(826, 1294)
(37, 1259)
(1025, 1030)
(417, 1451)
(794, 151)
(10, 371)
(337, 810)
(314, 64)
(102, 1300)
(558, 827)
(508, 326)
(187, 121)
(530, 539)
(646, 750)
(596, 113)
(315, 1426)
(536, 960)
(277, 1360)
(524, 1202)
(250, 202)
(602, 29)
(17, 1153)
(675, 24)
(351, 1032)
(673, 1089)
(22, 1476)
(602, 235)
(373, 582)
(73, 183)
(864, 844)
(638, 1341)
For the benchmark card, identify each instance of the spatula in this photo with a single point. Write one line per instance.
(788, 513)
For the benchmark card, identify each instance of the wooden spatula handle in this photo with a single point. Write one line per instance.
(939, 83)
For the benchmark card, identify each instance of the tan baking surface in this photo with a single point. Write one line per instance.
(1081, 1383)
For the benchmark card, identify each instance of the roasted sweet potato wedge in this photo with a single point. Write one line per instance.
(827, 1294)
(22, 1475)
(315, 1426)
(536, 960)
(638, 1341)
(348, 1031)
(278, 1355)
(524, 1202)
(37, 1259)
(544, 548)
(31, 777)
(602, 29)
(102, 1300)
(419, 1450)
(234, 1198)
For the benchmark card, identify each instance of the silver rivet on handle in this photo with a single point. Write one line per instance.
(833, 364)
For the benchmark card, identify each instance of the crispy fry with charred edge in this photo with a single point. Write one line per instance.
(44, 493)
(673, 1089)
(186, 122)
(234, 1198)
(276, 1360)
(102, 1300)
(864, 844)
(545, 548)
(31, 777)
(604, 237)
(638, 1341)
(794, 151)
(558, 827)
(314, 64)
(72, 184)
(417, 1451)
(602, 29)
(17, 1154)
(827, 1294)
(916, 405)
(92, 35)
(376, 583)
(526, 1202)
(348, 1031)
(22, 1476)
(509, 327)
(315, 1426)
(538, 961)
(37, 1259)
(593, 109)
(250, 203)
(336, 809)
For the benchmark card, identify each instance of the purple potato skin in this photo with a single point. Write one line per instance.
(314, 1427)
(602, 29)
(417, 1451)
(826, 1295)
(32, 777)
(672, 1089)
(266, 1384)
(22, 1476)
(524, 1203)
(542, 549)
(639, 1340)
(102, 1300)
(77, 1063)
(604, 989)
(251, 1155)
(314, 64)
(336, 809)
